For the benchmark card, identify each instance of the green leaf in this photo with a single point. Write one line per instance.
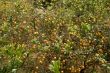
(86, 26)
(55, 66)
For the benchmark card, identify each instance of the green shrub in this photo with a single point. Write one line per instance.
(76, 32)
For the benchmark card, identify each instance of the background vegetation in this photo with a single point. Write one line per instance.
(54, 36)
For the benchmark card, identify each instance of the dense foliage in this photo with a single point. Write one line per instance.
(54, 36)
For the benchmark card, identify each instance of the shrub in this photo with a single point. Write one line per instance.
(74, 34)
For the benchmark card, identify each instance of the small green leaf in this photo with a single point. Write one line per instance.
(86, 26)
